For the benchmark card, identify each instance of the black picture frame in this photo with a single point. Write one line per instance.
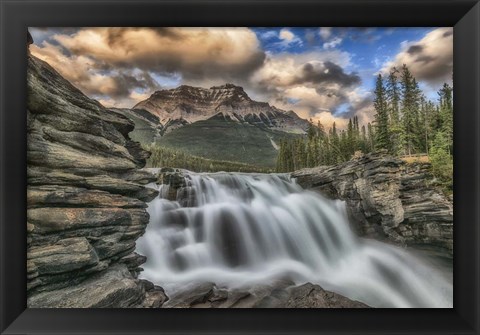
(17, 15)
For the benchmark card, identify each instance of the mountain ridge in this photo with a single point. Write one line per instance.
(189, 104)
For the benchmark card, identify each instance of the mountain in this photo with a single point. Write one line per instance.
(219, 123)
(187, 104)
(221, 138)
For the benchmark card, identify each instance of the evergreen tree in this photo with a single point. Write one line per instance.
(446, 113)
(427, 113)
(350, 145)
(442, 161)
(335, 144)
(356, 127)
(320, 129)
(311, 132)
(410, 106)
(371, 137)
(364, 141)
(405, 123)
(393, 100)
(381, 116)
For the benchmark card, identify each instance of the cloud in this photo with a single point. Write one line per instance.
(286, 35)
(415, 49)
(326, 72)
(113, 62)
(121, 102)
(325, 33)
(360, 105)
(287, 39)
(333, 43)
(312, 84)
(310, 36)
(194, 52)
(286, 69)
(327, 119)
(81, 71)
(430, 59)
(76, 69)
(122, 66)
(269, 34)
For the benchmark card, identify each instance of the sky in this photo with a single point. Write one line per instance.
(324, 73)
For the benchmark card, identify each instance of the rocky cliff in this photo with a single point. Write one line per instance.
(86, 200)
(388, 198)
(191, 104)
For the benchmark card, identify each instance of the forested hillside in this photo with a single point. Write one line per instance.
(168, 157)
(406, 123)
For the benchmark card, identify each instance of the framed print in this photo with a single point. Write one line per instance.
(240, 167)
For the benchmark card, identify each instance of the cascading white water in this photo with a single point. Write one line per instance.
(238, 229)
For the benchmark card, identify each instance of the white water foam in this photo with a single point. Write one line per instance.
(241, 229)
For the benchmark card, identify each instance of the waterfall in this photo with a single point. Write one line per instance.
(236, 229)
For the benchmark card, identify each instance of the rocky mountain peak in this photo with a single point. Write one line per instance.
(232, 88)
(216, 94)
(194, 104)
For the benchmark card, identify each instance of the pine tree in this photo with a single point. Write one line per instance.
(446, 112)
(442, 161)
(311, 132)
(410, 105)
(335, 143)
(321, 129)
(427, 113)
(393, 100)
(364, 143)
(371, 137)
(356, 127)
(317, 152)
(381, 116)
(393, 97)
(350, 146)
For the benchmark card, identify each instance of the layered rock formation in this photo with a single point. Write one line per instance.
(387, 198)
(148, 127)
(86, 200)
(186, 104)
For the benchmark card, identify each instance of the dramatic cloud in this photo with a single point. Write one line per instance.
(360, 105)
(326, 74)
(80, 70)
(312, 84)
(195, 52)
(286, 69)
(430, 59)
(114, 62)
